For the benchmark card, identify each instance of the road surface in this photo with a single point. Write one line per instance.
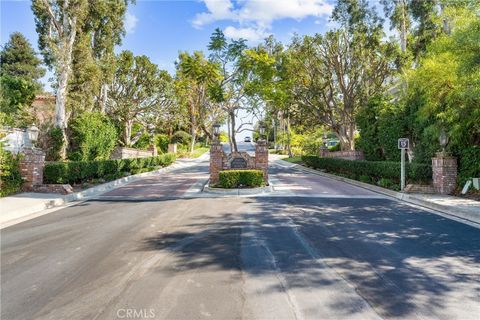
(314, 249)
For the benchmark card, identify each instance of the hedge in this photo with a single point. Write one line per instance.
(377, 170)
(240, 178)
(10, 177)
(80, 171)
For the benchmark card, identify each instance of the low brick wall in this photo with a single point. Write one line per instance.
(126, 153)
(347, 155)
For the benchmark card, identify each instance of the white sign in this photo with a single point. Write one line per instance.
(403, 143)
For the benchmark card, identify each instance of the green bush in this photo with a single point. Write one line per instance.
(469, 164)
(10, 178)
(375, 169)
(93, 137)
(161, 141)
(241, 178)
(54, 143)
(81, 171)
(181, 137)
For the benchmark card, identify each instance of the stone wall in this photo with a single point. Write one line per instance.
(126, 153)
(444, 173)
(15, 140)
(347, 155)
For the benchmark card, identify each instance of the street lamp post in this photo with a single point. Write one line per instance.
(443, 139)
(33, 134)
(216, 131)
(261, 130)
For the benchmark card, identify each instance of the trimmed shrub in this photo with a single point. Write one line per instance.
(375, 169)
(469, 164)
(10, 178)
(82, 171)
(93, 137)
(241, 178)
(181, 137)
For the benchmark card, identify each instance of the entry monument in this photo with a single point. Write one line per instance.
(237, 160)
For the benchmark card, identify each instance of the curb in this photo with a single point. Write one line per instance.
(237, 192)
(458, 213)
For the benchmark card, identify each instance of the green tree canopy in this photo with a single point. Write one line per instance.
(18, 59)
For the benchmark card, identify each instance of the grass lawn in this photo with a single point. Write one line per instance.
(296, 159)
(195, 154)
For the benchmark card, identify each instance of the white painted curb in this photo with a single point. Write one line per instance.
(237, 192)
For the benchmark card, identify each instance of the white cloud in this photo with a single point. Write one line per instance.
(250, 34)
(255, 17)
(130, 22)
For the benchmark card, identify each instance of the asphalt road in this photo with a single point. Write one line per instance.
(316, 249)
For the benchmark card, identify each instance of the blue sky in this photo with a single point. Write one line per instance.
(160, 29)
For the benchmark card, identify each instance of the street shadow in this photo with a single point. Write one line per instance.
(392, 254)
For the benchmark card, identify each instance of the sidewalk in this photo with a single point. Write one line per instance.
(461, 208)
(28, 205)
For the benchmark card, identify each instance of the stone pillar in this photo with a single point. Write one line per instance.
(323, 151)
(172, 148)
(153, 150)
(261, 158)
(31, 168)
(216, 161)
(444, 173)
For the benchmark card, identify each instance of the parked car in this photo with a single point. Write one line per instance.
(247, 139)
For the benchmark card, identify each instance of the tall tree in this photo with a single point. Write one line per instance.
(197, 77)
(85, 81)
(18, 59)
(335, 74)
(398, 13)
(104, 28)
(135, 93)
(230, 92)
(57, 23)
(20, 71)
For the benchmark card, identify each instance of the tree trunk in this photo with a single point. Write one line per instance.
(351, 135)
(233, 138)
(207, 133)
(60, 113)
(274, 133)
(403, 31)
(127, 133)
(193, 131)
(229, 134)
(289, 138)
(103, 97)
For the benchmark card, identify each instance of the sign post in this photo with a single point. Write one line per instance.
(403, 144)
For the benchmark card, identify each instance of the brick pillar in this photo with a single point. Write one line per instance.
(31, 168)
(216, 161)
(261, 158)
(444, 173)
(323, 151)
(153, 150)
(172, 148)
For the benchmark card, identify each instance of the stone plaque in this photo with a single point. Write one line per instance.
(238, 163)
